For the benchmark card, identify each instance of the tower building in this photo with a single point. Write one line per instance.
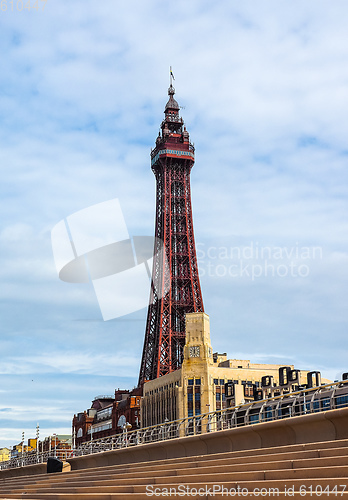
(180, 375)
(176, 289)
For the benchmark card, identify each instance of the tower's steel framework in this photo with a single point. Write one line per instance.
(175, 287)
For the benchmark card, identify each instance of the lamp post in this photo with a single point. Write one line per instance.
(73, 442)
(55, 445)
(209, 418)
(166, 428)
(37, 442)
(22, 448)
(127, 426)
(91, 438)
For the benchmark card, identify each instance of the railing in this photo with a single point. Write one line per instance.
(175, 118)
(32, 458)
(291, 405)
(173, 140)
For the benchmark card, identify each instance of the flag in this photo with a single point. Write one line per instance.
(171, 74)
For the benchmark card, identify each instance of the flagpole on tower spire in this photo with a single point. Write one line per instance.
(171, 77)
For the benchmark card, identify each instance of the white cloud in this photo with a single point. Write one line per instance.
(72, 362)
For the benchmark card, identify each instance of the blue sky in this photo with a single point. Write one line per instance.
(264, 90)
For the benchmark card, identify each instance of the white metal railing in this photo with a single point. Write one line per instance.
(32, 458)
(291, 405)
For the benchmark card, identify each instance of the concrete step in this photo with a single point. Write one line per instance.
(292, 447)
(140, 496)
(298, 459)
(316, 465)
(331, 448)
(194, 462)
(140, 490)
(155, 473)
(239, 453)
(281, 485)
(310, 486)
(99, 480)
(327, 473)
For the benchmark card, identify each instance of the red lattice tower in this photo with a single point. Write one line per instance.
(176, 268)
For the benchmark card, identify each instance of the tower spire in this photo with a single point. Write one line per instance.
(175, 269)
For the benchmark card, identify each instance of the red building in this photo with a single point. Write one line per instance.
(102, 418)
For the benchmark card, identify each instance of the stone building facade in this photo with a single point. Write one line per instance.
(201, 384)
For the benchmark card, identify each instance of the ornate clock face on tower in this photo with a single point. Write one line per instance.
(194, 351)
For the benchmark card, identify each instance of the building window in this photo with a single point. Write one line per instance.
(190, 381)
(216, 381)
(190, 401)
(198, 381)
(248, 391)
(222, 382)
(197, 400)
(218, 398)
(193, 400)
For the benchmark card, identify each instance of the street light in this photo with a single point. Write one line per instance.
(23, 448)
(126, 427)
(37, 442)
(55, 445)
(209, 418)
(166, 428)
(304, 403)
(74, 442)
(91, 438)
